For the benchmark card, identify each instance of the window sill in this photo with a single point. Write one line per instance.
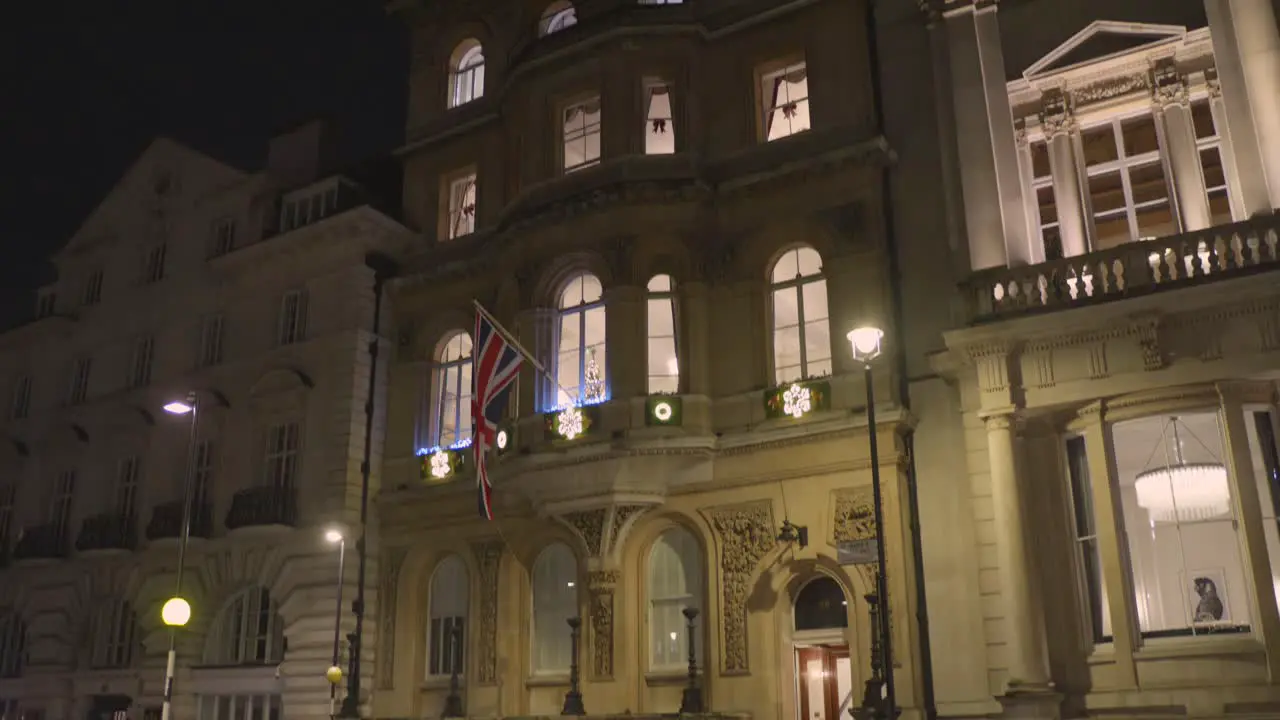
(657, 678)
(1177, 648)
(441, 683)
(547, 680)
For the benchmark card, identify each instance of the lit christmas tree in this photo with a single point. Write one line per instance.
(592, 384)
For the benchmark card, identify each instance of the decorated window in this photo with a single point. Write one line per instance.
(664, 367)
(580, 124)
(580, 342)
(1127, 187)
(446, 630)
(555, 600)
(462, 205)
(13, 645)
(801, 325)
(785, 93)
(466, 73)
(114, 634)
(247, 631)
(675, 582)
(558, 16)
(453, 392)
(659, 123)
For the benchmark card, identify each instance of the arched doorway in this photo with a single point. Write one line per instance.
(824, 679)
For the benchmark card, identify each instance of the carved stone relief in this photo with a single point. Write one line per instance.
(747, 533)
(488, 558)
(601, 587)
(1147, 332)
(1168, 86)
(589, 524)
(1110, 88)
(855, 519)
(1056, 115)
(389, 569)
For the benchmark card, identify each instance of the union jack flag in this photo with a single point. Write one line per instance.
(495, 366)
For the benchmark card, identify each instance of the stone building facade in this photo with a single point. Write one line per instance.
(251, 290)
(678, 211)
(1101, 416)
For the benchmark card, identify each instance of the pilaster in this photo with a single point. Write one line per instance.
(1059, 125)
(1173, 109)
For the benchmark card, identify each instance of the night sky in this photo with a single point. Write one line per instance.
(85, 86)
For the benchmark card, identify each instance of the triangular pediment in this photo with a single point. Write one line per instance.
(1100, 40)
(165, 173)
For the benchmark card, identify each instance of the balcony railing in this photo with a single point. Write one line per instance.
(1129, 270)
(41, 542)
(263, 506)
(107, 531)
(166, 521)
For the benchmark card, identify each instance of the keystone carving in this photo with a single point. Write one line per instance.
(747, 533)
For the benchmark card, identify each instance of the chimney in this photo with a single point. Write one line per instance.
(299, 155)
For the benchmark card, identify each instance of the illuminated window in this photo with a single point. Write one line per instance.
(453, 388)
(466, 73)
(581, 134)
(785, 94)
(446, 631)
(664, 367)
(558, 16)
(659, 125)
(462, 205)
(1127, 187)
(555, 600)
(801, 325)
(581, 355)
(675, 583)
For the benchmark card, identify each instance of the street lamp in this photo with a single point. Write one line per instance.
(176, 612)
(866, 345)
(334, 673)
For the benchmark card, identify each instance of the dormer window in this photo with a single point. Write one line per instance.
(466, 73)
(558, 16)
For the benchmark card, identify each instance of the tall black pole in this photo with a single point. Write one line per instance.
(573, 698)
(382, 269)
(337, 620)
(882, 572)
(187, 481)
(691, 698)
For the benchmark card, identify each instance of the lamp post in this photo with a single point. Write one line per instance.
(334, 673)
(176, 611)
(865, 343)
(573, 698)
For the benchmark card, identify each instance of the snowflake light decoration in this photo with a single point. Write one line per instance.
(440, 466)
(569, 423)
(796, 401)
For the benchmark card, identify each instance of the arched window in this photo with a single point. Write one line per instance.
(248, 631)
(555, 600)
(446, 631)
(801, 327)
(675, 583)
(13, 645)
(580, 359)
(558, 16)
(114, 626)
(821, 605)
(466, 73)
(664, 368)
(453, 391)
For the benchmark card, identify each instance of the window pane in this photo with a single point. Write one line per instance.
(1107, 191)
(1040, 160)
(1048, 205)
(1202, 120)
(1148, 183)
(815, 300)
(1179, 516)
(786, 308)
(1156, 221)
(1092, 582)
(675, 582)
(660, 129)
(555, 600)
(1140, 135)
(1099, 145)
(786, 354)
(661, 323)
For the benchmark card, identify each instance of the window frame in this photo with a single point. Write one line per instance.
(648, 87)
(547, 642)
(776, 69)
(439, 662)
(229, 639)
(222, 238)
(466, 74)
(581, 311)
(464, 367)
(62, 503)
(588, 130)
(668, 296)
(155, 264)
(81, 372)
(128, 482)
(1091, 584)
(291, 319)
(92, 294)
(1125, 165)
(239, 706)
(695, 597)
(282, 458)
(557, 16)
(8, 511)
(797, 285)
(115, 635)
(458, 213)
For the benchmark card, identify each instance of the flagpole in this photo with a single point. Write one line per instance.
(506, 335)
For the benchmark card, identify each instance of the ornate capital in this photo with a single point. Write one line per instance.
(601, 529)
(1168, 85)
(747, 533)
(1002, 420)
(1056, 114)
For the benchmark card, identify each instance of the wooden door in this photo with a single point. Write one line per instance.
(824, 682)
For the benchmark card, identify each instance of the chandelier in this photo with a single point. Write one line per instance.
(1182, 491)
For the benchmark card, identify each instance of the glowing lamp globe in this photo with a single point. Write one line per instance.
(176, 612)
(333, 674)
(866, 343)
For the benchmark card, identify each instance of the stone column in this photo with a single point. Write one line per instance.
(1059, 129)
(1027, 660)
(625, 329)
(1232, 54)
(1173, 108)
(693, 338)
(1219, 109)
(978, 177)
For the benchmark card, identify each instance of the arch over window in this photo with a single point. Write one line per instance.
(663, 362)
(821, 605)
(466, 73)
(13, 644)
(247, 631)
(114, 626)
(801, 324)
(558, 16)
(448, 598)
(555, 600)
(580, 343)
(452, 414)
(675, 582)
